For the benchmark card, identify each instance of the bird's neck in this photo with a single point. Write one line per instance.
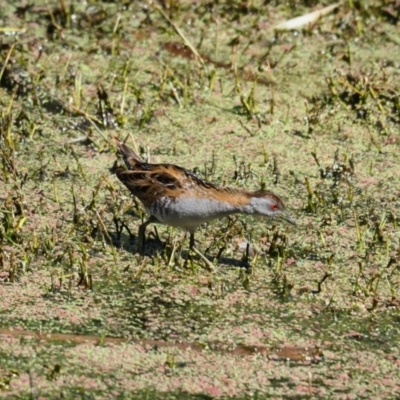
(234, 200)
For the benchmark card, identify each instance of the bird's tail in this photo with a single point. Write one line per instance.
(131, 159)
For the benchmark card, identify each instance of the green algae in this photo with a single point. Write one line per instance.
(312, 115)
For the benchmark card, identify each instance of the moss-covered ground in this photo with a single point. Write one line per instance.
(307, 311)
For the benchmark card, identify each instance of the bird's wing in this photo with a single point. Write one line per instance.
(149, 182)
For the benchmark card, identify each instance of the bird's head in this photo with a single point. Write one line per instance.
(266, 203)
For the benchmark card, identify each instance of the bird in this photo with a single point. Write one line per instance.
(177, 197)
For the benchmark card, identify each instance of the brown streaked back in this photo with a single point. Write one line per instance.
(149, 182)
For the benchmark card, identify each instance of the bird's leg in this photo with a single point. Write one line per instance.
(209, 264)
(191, 240)
(141, 233)
(245, 260)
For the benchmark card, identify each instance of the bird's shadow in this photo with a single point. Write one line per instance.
(155, 246)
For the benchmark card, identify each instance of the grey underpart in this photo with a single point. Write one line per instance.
(189, 213)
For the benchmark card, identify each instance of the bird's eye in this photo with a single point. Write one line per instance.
(273, 207)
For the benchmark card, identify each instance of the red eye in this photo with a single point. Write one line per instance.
(273, 207)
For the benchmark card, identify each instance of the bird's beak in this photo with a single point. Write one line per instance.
(288, 218)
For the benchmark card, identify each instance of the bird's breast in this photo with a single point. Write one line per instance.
(189, 212)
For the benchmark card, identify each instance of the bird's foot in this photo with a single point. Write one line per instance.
(208, 263)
